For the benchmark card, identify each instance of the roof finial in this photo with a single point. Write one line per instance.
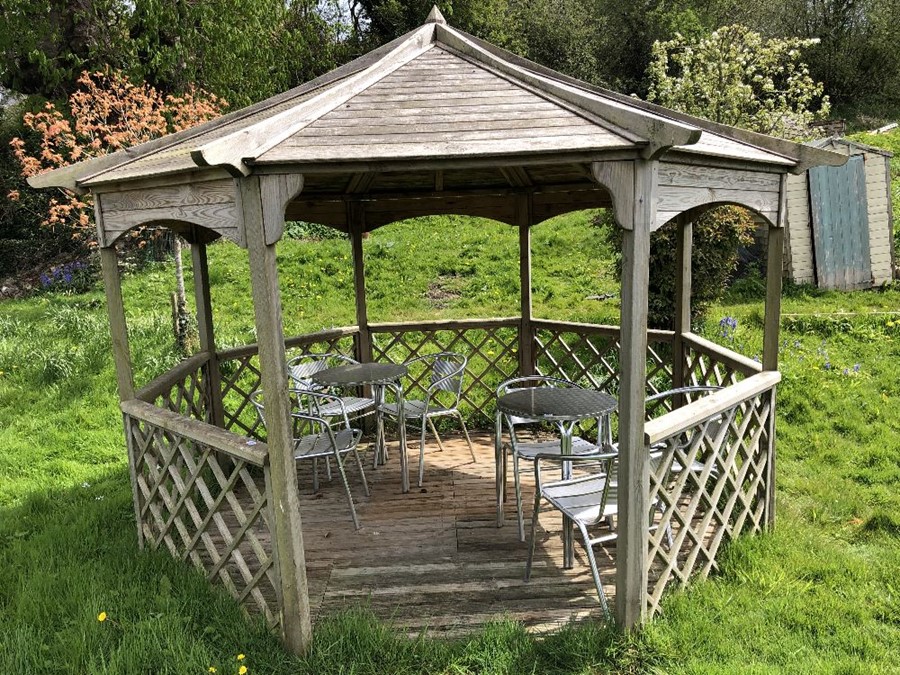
(435, 16)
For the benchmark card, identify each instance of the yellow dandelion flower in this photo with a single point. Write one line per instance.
(242, 670)
(212, 669)
(240, 657)
(101, 617)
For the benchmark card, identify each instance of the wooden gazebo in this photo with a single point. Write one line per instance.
(440, 122)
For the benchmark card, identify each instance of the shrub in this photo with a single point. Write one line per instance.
(718, 234)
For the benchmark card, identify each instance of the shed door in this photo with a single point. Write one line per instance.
(840, 226)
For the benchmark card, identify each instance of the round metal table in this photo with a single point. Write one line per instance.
(565, 407)
(379, 376)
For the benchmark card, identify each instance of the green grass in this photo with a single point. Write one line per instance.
(820, 594)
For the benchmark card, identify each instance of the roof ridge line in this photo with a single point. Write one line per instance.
(253, 141)
(587, 115)
(646, 125)
(805, 155)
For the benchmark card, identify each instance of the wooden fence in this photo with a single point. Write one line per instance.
(203, 491)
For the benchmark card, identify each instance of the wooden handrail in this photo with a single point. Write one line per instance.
(446, 324)
(731, 359)
(599, 329)
(684, 418)
(239, 447)
(162, 384)
(294, 341)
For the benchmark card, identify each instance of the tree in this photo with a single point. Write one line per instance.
(46, 44)
(107, 113)
(735, 76)
(243, 51)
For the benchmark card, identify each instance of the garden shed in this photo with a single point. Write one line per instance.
(440, 122)
(840, 226)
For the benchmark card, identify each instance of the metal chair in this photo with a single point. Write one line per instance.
(588, 500)
(302, 368)
(528, 450)
(324, 441)
(441, 398)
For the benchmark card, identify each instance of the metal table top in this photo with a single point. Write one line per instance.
(357, 374)
(556, 403)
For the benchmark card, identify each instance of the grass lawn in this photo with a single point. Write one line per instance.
(820, 594)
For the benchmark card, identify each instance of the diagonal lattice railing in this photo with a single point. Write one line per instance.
(589, 355)
(184, 389)
(491, 347)
(204, 494)
(710, 479)
(709, 364)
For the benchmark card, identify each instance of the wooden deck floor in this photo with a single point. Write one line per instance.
(433, 558)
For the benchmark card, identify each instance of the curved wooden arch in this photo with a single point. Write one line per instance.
(209, 206)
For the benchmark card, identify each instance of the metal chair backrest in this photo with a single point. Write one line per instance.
(302, 368)
(445, 374)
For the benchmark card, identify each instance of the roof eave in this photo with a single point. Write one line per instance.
(803, 156)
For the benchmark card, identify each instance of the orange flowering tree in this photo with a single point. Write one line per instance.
(106, 113)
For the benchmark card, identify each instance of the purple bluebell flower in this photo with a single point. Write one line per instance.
(856, 367)
(846, 371)
(828, 365)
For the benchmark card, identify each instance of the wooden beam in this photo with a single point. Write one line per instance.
(683, 248)
(118, 327)
(618, 179)
(772, 328)
(206, 331)
(221, 440)
(634, 458)
(288, 532)
(681, 419)
(357, 222)
(524, 217)
(774, 274)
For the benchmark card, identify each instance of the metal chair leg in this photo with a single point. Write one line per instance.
(315, 475)
(594, 571)
(362, 474)
(534, 518)
(518, 482)
(466, 432)
(436, 437)
(422, 454)
(343, 473)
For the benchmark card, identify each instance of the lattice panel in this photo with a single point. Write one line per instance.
(592, 359)
(241, 377)
(188, 397)
(208, 508)
(709, 485)
(703, 368)
(492, 354)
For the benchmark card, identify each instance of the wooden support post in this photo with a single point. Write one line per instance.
(356, 221)
(288, 533)
(683, 248)
(118, 329)
(524, 219)
(206, 332)
(774, 272)
(634, 458)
